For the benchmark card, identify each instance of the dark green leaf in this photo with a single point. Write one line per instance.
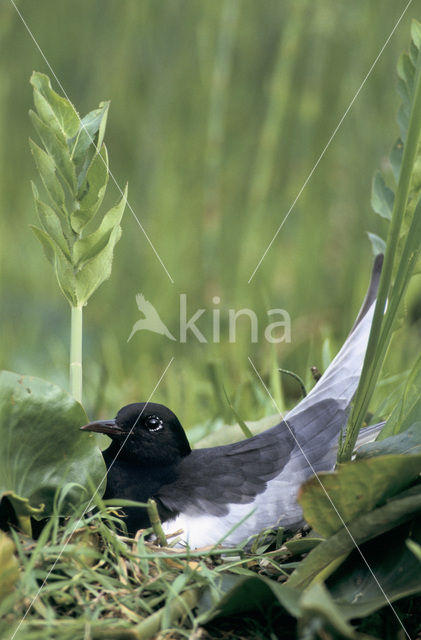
(242, 594)
(408, 441)
(397, 574)
(316, 601)
(356, 487)
(41, 447)
(335, 549)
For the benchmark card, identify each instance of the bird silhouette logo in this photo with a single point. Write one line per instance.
(151, 321)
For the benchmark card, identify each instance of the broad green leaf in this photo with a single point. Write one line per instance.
(408, 441)
(381, 197)
(378, 245)
(9, 568)
(317, 601)
(354, 488)
(57, 151)
(97, 270)
(396, 511)
(55, 111)
(238, 594)
(358, 593)
(92, 191)
(89, 247)
(47, 170)
(41, 447)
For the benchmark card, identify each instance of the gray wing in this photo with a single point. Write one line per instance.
(267, 470)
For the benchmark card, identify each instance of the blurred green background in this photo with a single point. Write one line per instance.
(219, 111)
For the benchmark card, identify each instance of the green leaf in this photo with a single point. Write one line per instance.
(88, 140)
(378, 245)
(91, 192)
(89, 247)
(58, 152)
(302, 545)
(358, 593)
(46, 241)
(317, 601)
(238, 594)
(416, 33)
(396, 511)
(47, 170)
(408, 409)
(396, 158)
(66, 278)
(408, 441)
(381, 197)
(9, 568)
(355, 488)
(41, 447)
(97, 270)
(51, 225)
(56, 111)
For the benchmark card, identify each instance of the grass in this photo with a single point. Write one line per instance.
(100, 584)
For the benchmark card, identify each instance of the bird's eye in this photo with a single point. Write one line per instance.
(154, 423)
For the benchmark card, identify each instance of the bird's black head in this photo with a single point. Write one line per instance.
(150, 432)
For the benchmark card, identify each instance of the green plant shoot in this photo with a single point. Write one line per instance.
(403, 208)
(74, 172)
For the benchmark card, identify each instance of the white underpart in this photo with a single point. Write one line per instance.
(277, 505)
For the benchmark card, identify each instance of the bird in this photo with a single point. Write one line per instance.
(228, 494)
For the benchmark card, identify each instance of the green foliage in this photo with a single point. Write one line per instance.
(42, 449)
(407, 411)
(73, 167)
(408, 441)
(403, 243)
(356, 487)
(9, 568)
(329, 554)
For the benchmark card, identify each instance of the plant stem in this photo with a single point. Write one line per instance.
(76, 354)
(156, 525)
(382, 326)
